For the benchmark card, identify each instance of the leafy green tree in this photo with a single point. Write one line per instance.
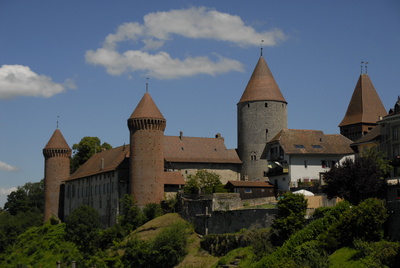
(364, 221)
(380, 159)
(355, 180)
(82, 228)
(170, 245)
(85, 149)
(12, 226)
(152, 211)
(291, 217)
(205, 181)
(167, 249)
(131, 215)
(41, 247)
(192, 186)
(29, 197)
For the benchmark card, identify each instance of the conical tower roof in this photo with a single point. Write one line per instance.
(365, 105)
(147, 109)
(57, 141)
(262, 85)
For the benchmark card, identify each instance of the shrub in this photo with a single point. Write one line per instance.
(82, 228)
(364, 221)
(378, 254)
(291, 216)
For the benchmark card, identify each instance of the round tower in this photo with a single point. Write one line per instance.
(146, 163)
(261, 114)
(56, 170)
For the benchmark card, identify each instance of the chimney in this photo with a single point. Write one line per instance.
(181, 135)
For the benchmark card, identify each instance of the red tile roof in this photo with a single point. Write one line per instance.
(200, 150)
(300, 141)
(262, 85)
(147, 109)
(105, 161)
(57, 141)
(174, 178)
(365, 105)
(252, 184)
(176, 149)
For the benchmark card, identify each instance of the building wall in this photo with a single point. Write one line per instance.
(258, 122)
(250, 193)
(228, 172)
(390, 143)
(304, 168)
(102, 192)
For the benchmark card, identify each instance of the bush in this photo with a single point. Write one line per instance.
(291, 216)
(41, 247)
(166, 250)
(364, 221)
(152, 211)
(311, 254)
(378, 254)
(82, 228)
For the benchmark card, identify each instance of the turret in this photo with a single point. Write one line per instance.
(146, 164)
(261, 114)
(364, 111)
(56, 169)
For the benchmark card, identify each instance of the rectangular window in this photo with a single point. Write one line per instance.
(395, 133)
(316, 146)
(299, 146)
(248, 191)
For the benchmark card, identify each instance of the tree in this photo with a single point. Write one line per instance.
(29, 197)
(205, 181)
(85, 149)
(12, 226)
(82, 228)
(355, 180)
(41, 246)
(132, 216)
(364, 221)
(291, 216)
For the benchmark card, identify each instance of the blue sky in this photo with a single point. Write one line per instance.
(87, 62)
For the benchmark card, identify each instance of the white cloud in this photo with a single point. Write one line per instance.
(4, 192)
(19, 80)
(7, 167)
(7, 191)
(160, 27)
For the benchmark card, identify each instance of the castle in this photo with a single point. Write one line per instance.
(154, 166)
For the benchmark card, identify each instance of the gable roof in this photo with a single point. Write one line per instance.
(250, 184)
(365, 105)
(57, 141)
(195, 150)
(174, 178)
(262, 85)
(147, 108)
(371, 136)
(300, 141)
(105, 161)
(200, 150)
